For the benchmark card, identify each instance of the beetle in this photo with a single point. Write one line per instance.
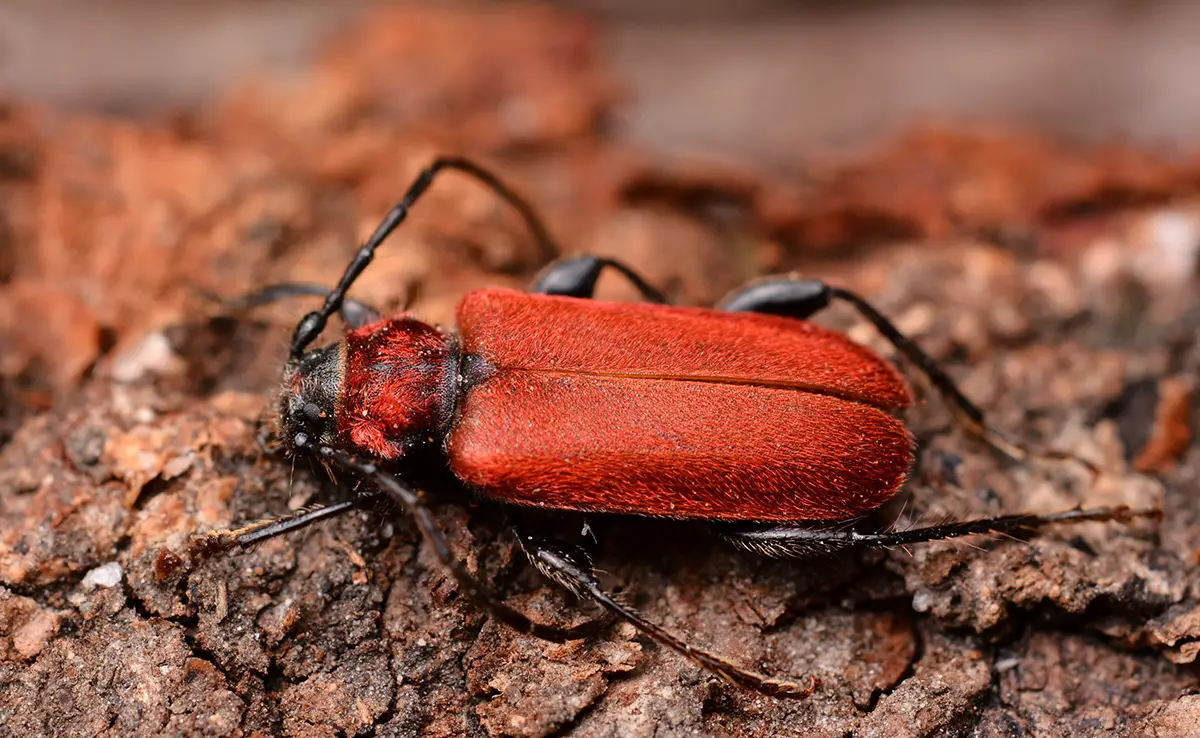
(745, 416)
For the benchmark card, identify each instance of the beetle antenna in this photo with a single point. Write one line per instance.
(215, 542)
(313, 324)
(480, 594)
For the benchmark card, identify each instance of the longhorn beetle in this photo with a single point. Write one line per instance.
(746, 417)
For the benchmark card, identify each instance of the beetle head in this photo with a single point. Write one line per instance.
(308, 405)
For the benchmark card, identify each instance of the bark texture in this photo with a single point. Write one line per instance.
(1056, 283)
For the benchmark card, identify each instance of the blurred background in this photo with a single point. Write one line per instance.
(766, 79)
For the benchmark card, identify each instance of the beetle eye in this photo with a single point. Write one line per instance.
(309, 420)
(313, 413)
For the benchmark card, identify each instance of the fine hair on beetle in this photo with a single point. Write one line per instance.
(768, 428)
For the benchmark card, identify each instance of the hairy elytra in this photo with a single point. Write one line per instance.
(582, 405)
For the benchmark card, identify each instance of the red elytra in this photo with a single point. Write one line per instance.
(636, 408)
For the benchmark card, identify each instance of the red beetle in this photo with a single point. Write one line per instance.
(774, 429)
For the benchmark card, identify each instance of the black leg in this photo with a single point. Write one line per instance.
(790, 298)
(483, 597)
(313, 324)
(355, 313)
(802, 298)
(797, 542)
(569, 567)
(576, 277)
(217, 542)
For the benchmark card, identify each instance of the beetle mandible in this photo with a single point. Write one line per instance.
(745, 416)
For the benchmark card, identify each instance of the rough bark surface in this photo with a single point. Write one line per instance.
(1057, 284)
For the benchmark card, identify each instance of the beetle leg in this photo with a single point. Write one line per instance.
(576, 276)
(789, 297)
(355, 313)
(802, 298)
(311, 325)
(217, 542)
(483, 597)
(570, 568)
(791, 542)
(798, 542)
(533, 544)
